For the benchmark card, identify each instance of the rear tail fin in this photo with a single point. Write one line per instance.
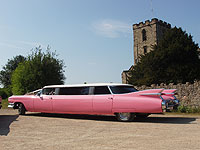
(169, 92)
(151, 92)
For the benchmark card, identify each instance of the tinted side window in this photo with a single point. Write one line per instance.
(101, 90)
(48, 91)
(74, 91)
(122, 89)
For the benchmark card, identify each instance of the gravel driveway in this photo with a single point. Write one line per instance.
(85, 132)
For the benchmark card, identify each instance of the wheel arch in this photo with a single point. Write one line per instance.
(16, 105)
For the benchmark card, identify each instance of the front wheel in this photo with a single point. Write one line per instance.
(21, 109)
(125, 117)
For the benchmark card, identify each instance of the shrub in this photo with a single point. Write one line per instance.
(4, 93)
(188, 109)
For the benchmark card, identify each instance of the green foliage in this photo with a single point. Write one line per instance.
(188, 109)
(19, 78)
(5, 92)
(38, 70)
(6, 73)
(174, 60)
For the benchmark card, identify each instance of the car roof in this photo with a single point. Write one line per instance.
(86, 85)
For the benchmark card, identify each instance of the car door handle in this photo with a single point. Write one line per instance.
(110, 98)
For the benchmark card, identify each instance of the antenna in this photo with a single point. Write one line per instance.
(152, 8)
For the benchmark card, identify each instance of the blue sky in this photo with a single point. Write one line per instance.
(93, 37)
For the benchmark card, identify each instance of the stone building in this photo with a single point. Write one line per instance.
(145, 36)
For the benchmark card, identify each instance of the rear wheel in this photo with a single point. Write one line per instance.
(21, 109)
(125, 117)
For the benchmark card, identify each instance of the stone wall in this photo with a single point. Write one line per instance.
(188, 94)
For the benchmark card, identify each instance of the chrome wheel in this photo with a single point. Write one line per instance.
(21, 109)
(125, 116)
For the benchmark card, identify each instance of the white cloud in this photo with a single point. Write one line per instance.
(112, 28)
(21, 44)
(33, 44)
(10, 45)
(92, 63)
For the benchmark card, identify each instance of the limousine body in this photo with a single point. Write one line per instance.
(121, 100)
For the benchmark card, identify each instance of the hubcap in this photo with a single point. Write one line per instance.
(124, 116)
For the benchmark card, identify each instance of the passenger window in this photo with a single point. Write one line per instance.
(48, 91)
(101, 90)
(122, 89)
(74, 91)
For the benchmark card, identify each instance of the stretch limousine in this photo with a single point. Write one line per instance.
(121, 100)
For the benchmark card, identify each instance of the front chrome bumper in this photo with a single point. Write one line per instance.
(169, 105)
(11, 105)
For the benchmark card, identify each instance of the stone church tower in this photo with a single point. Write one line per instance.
(145, 35)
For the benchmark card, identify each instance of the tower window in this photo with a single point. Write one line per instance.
(144, 35)
(145, 49)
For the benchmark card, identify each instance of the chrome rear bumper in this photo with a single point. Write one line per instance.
(169, 105)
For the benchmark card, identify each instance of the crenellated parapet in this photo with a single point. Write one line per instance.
(149, 23)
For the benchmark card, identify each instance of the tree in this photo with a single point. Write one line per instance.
(4, 93)
(6, 73)
(174, 60)
(38, 70)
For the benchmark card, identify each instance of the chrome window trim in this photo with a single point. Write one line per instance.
(110, 90)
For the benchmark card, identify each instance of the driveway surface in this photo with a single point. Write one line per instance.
(86, 132)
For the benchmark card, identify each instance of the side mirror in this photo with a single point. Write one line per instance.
(39, 93)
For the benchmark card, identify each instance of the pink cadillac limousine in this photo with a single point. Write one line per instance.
(121, 100)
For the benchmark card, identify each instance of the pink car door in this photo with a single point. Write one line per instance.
(102, 100)
(73, 99)
(43, 103)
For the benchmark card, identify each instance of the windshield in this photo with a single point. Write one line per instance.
(34, 92)
(122, 89)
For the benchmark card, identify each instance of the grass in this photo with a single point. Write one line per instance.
(4, 103)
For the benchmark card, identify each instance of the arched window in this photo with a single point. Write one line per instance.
(144, 36)
(145, 49)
